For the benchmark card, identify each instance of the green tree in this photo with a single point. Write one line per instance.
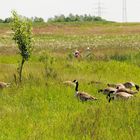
(8, 20)
(22, 29)
(38, 19)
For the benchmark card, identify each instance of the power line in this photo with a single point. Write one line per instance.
(124, 11)
(99, 9)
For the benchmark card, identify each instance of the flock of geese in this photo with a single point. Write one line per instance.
(112, 91)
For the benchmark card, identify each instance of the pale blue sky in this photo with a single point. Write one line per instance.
(112, 9)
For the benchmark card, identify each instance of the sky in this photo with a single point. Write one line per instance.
(111, 9)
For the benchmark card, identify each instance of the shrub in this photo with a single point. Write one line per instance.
(23, 37)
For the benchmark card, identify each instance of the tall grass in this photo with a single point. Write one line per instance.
(43, 108)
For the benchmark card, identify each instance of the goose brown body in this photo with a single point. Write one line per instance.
(123, 95)
(83, 96)
(129, 91)
(116, 85)
(130, 85)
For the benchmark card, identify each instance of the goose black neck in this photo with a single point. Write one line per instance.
(137, 87)
(76, 88)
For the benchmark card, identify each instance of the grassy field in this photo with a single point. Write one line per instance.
(42, 108)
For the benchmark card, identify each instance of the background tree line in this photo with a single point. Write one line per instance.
(33, 19)
(60, 18)
(75, 18)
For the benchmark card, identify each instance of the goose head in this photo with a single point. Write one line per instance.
(137, 87)
(75, 81)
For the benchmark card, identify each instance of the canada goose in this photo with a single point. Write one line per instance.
(83, 96)
(117, 94)
(4, 85)
(69, 83)
(107, 91)
(130, 85)
(116, 85)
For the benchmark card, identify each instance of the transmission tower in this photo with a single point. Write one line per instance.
(124, 12)
(99, 8)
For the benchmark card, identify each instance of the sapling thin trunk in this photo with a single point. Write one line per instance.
(20, 70)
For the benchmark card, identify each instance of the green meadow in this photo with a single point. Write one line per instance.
(43, 108)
